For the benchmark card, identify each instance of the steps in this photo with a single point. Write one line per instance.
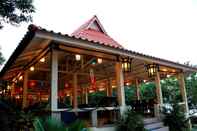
(153, 124)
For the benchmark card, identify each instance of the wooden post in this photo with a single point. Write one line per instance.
(54, 84)
(75, 102)
(86, 95)
(159, 94)
(137, 89)
(12, 89)
(120, 87)
(25, 89)
(109, 88)
(71, 99)
(183, 91)
(184, 94)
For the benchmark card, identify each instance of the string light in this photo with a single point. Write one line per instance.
(21, 78)
(32, 68)
(168, 76)
(42, 60)
(99, 60)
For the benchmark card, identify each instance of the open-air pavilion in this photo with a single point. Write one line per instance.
(56, 67)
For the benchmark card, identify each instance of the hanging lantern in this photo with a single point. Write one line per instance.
(126, 64)
(78, 57)
(152, 69)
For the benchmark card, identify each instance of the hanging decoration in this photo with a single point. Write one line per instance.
(92, 79)
(151, 69)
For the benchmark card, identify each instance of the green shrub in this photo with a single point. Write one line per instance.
(175, 118)
(51, 124)
(130, 121)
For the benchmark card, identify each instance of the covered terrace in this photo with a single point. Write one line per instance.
(64, 70)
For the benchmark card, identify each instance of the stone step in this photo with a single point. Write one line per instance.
(150, 120)
(165, 128)
(154, 125)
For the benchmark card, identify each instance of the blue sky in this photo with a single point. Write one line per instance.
(162, 28)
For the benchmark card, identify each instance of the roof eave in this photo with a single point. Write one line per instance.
(84, 43)
(21, 46)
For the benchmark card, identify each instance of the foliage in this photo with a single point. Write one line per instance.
(175, 118)
(170, 89)
(94, 98)
(130, 121)
(51, 124)
(147, 91)
(130, 93)
(15, 11)
(13, 117)
(2, 59)
(191, 85)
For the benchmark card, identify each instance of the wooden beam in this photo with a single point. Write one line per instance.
(67, 72)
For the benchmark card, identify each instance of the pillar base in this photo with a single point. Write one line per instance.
(94, 118)
(157, 110)
(123, 109)
(56, 115)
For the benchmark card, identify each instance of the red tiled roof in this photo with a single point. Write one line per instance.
(86, 31)
(32, 29)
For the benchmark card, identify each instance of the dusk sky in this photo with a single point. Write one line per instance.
(162, 28)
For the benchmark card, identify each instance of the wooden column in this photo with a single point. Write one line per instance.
(71, 99)
(120, 87)
(86, 95)
(25, 89)
(184, 95)
(183, 91)
(54, 84)
(75, 102)
(109, 87)
(159, 94)
(12, 89)
(137, 89)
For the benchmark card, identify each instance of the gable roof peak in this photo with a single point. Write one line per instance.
(92, 24)
(93, 30)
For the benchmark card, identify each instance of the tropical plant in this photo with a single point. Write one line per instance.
(51, 124)
(175, 117)
(130, 121)
(13, 117)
